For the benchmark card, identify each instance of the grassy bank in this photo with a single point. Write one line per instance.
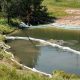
(53, 10)
(11, 73)
(2, 38)
(64, 3)
(5, 28)
(8, 72)
(57, 7)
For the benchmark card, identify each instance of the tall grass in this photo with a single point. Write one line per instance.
(10, 73)
(54, 10)
(63, 3)
(68, 3)
(7, 73)
(2, 38)
(4, 27)
(3, 21)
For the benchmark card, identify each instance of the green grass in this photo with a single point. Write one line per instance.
(10, 73)
(55, 11)
(4, 27)
(3, 21)
(3, 54)
(57, 7)
(67, 3)
(13, 74)
(63, 3)
(2, 38)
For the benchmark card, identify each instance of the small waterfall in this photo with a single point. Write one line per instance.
(44, 42)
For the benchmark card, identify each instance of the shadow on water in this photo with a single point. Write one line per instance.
(25, 51)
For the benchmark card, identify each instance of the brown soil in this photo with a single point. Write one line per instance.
(73, 19)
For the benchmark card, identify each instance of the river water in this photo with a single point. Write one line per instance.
(57, 25)
(45, 58)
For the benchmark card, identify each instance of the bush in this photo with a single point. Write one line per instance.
(65, 76)
(5, 29)
(2, 38)
(15, 22)
(3, 21)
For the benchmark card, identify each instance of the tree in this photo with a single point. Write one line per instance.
(30, 11)
(39, 14)
(0, 5)
(5, 6)
(8, 3)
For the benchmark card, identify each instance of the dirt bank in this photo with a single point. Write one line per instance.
(72, 19)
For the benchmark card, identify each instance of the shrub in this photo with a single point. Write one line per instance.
(2, 38)
(6, 29)
(15, 22)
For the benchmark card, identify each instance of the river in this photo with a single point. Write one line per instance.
(43, 55)
(46, 57)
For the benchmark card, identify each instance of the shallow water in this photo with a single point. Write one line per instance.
(45, 58)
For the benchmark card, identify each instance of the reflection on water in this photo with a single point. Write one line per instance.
(45, 58)
(25, 51)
